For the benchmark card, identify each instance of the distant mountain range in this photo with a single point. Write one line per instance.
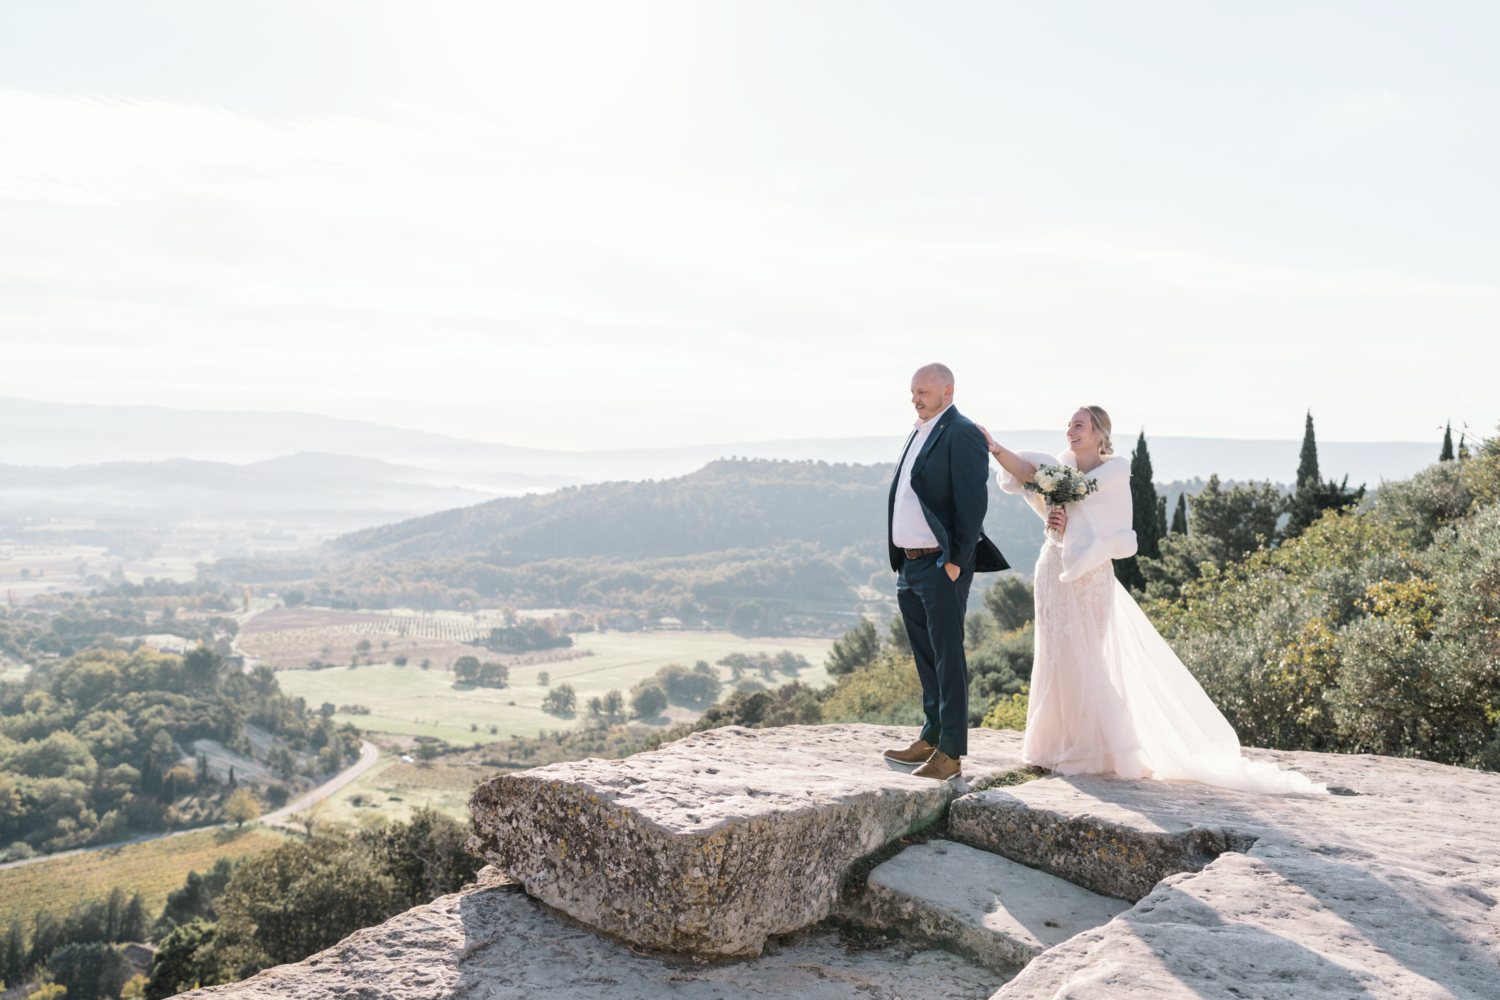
(63, 435)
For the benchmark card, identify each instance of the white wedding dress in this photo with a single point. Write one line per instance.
(1108, 695)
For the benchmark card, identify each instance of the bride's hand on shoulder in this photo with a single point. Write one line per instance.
(1057, 520)
(989, 442)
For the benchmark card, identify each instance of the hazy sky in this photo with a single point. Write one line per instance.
(594, 225)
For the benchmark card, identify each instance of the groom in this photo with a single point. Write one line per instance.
(935, 514)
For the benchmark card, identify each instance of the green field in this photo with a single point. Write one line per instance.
(152, 868)
(391, 790)
(412, 701)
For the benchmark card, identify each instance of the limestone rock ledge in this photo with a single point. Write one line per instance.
(713, 843)
(1389, 889)
(492, 941)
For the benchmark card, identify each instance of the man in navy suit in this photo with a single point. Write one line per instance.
(935, 516)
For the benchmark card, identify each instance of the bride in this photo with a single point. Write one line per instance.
(1108, 695)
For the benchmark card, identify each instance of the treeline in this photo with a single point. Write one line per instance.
(1226, 523)
(93, 747)
(240, 917)
(65, 624)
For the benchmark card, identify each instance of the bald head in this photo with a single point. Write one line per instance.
(931, 390)
(935, 372)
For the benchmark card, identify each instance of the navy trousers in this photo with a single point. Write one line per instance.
(933, 607)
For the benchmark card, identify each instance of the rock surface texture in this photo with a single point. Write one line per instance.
(492, 941)
(734, 838)
(1393, 891)
(995, 911)
(713, 843)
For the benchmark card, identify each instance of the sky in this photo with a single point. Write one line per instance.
(599, 225)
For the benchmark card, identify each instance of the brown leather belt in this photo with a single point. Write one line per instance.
(919, 553)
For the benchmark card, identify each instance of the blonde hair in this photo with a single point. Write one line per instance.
(1102, 427)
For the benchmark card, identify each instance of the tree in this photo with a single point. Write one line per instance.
(1314, 496)
(899, 640)
(493, 674)
(428, 752)
(195, 899)
(1242, 517)
(1010, 601)
(242, 806)
(90, 970)
(426, 856)
(1144, 516)
(304, 896)
(648, 700)
(978, 627)
(1180, 516)
(1446, 455)
(596, 706)
(201, 667)
(466, 669)
(614, 703)
(180, 961)
(561, 700)
(858, 648)
(292, 598)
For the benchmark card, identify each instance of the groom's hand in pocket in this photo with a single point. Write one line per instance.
(953, 571)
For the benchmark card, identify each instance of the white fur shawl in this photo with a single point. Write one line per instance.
(1100, 527)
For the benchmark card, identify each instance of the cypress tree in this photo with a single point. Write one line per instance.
(1303, 506)
(1447, 453)
(1179, 516)
(232, 782)
(169, 789)
(1161, 521)
(1314, 496)
(1463, 448)
(1145, 517)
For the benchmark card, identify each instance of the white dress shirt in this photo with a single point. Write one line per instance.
(909, 528)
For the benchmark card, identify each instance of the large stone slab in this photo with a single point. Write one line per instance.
(491, 942)
(995, 911)
(713, 843)
(1392, 891)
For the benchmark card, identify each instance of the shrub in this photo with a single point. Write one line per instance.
(1008, 713)
(888, 692)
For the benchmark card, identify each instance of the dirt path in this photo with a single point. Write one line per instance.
(369, 753)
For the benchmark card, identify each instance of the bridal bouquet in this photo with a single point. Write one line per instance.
(1060, 484)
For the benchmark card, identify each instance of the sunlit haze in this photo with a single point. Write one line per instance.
(610, 225)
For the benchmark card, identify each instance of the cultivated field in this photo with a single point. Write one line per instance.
(411, 701)
(152, 868)
(291, 638)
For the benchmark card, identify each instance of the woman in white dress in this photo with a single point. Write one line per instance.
(1108, 695)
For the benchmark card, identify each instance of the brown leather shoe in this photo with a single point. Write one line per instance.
(939, 766)
(919, 751)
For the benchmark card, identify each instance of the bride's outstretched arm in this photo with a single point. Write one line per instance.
(1009, 460)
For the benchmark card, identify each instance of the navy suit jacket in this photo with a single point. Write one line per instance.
(950, 477)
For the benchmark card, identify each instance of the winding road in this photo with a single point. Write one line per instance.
(369, 753)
